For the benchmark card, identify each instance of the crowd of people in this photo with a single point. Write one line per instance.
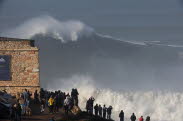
(53, 100)
(103, 112)
(57, 100)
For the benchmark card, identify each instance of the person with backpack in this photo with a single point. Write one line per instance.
(133, 117)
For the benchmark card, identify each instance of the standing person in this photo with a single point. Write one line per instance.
(25, 95)
(104, 112)
(12, 112)
(91, 101)
(18, 112)
(100, 110)
(148, 118)
(56, 104)
(133, 117)
(121, 115)
(76, 97)
(141, 118)
(42, 105)
(41, 93)
(87, 106)
(36, 97)
(29, 95)
(50, 103)
(109, 111)
(67, 104)
(22, 104)
(96, 109)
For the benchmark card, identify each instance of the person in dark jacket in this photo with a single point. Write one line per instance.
(100, 110)
(36, 97)
(121, 115)
(133, 117)
(104, 112)
(109, 111)
(74, 95)
(18, 112)
(87, 106)
(12, 113)
(42, 107)
(96, 109)
(148, 118)
(56, 104)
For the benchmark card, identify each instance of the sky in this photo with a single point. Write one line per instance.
(129, 20)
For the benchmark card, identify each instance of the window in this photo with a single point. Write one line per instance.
(5, 68)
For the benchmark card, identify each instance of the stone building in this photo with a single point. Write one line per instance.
(19, 65)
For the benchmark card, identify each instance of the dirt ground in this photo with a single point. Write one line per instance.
(45, 116)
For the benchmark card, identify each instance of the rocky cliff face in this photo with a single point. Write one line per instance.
(78, 115)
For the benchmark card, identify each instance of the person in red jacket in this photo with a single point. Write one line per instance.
(141, 118)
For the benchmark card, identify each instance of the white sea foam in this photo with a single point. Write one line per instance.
(160, 105)
(49, 26)
(65, 31)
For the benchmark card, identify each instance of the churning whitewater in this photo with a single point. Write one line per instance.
(160, 105)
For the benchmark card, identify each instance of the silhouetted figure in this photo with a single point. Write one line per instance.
(67, 103)
(133, 117)
(36, 97)
(25, 95)
(56, 104)
(109, 111)
(141, 118)
(29, 95)
(42, 105)
(42, 93)
(96, 109)
(100, 110)
(121, 115)
(12, 113)
(148, 118)
(18, 112)
(104, 112)
(74, 95)
(89, 105)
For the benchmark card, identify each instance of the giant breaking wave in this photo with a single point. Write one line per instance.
(48, 26)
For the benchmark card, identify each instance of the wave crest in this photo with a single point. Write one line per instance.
(49, 26)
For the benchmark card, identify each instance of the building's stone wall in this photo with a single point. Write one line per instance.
(24, 65)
